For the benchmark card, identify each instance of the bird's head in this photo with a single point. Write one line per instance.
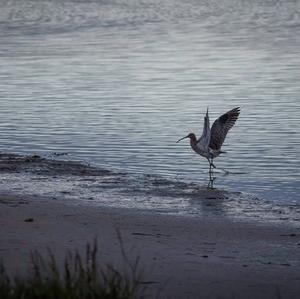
(191, 136)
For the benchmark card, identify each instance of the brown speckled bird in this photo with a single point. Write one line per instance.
(210, 143)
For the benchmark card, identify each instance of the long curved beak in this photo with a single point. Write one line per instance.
(181, 139)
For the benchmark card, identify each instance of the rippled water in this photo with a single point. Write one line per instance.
(116, 83)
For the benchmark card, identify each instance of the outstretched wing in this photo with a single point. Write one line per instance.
(205, 137)
(221, 126)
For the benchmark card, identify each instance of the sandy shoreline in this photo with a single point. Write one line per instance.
(182, 257)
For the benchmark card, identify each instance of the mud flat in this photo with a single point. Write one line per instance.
(181, 257)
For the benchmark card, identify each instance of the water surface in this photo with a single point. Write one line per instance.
(116, 83)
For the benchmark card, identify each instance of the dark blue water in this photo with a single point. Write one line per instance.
(116, 83)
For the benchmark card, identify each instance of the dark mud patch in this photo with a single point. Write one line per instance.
(12, 163)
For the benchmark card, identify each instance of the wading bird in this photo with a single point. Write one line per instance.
(210, 143)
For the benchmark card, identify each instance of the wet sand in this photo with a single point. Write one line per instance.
(181, 257)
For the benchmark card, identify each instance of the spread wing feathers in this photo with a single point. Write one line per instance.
(221, 126)
(203, 141)
(206, 127)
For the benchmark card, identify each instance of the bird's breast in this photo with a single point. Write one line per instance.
(199, 150)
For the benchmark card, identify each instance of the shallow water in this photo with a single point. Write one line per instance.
(80, 184)
(116, 83)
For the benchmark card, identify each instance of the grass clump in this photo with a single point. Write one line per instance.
(78, 277)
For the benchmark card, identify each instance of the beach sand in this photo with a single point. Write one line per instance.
(181, 257)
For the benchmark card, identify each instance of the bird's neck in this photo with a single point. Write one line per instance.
(193, 139)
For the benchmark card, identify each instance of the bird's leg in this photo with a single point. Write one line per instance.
(212, 162)
(209, 165)
(210, 173)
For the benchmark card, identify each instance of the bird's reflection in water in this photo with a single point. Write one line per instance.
(211, 180)
(210, 201)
